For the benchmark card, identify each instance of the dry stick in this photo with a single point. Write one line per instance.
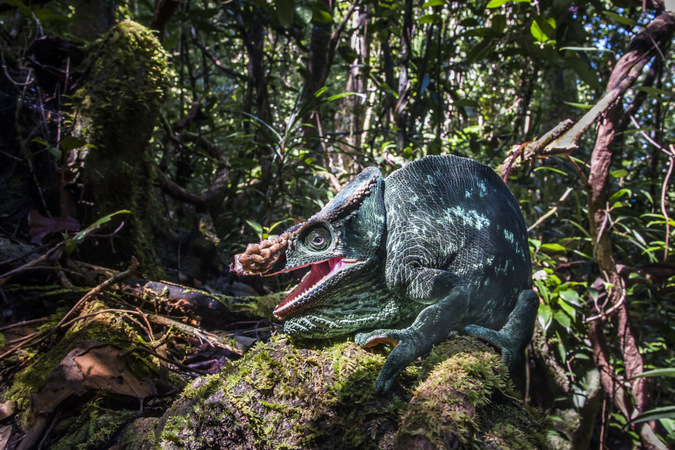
(552, 210)
(50, 257)
(567, 143)
(131, 271)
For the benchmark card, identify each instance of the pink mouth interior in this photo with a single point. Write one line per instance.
(319, 271)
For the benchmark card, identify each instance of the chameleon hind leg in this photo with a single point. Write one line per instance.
(433, 325)
(516, 334)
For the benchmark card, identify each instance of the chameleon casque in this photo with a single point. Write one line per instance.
(438, 247)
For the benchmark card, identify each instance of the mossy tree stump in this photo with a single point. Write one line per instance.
(115, 111)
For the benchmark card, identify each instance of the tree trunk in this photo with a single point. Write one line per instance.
(640, 51)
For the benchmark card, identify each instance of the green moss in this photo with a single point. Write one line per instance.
(470, 400)
(285, 395)
(104, 327)
(321, 394)
(92, 427)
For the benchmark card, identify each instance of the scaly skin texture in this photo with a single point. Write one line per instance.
(437, 248)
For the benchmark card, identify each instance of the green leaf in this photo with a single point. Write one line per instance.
(72, 243)
(550, 169)
(553, 247)
(545, 316)
(655, 92)
(619, 173)
(543, 29)
(618, 194)
(285, 12)
(40, 141)
(55, 152)
(587, 73)
(304, 14)
(345, 94)
(579, 105)
(669, 372)
(480, 51)
(570, 296)
(499, 23)
(563, 318)
(465, 102)
(620, 19)
(497, 3)
(69, 143)
(580, 49)
(256, 227)
(569, 309)
(429, 18)
(320, 15)
(654, 414)
(433, 3)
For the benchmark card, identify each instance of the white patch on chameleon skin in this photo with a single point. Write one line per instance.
(469, 218)
(509, 236)
(483, 188)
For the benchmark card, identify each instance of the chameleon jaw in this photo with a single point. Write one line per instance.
(321, 271)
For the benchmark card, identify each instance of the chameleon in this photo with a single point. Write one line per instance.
(437, 248)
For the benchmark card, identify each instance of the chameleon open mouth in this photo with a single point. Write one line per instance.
(321, 271)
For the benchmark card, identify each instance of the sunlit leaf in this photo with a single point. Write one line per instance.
(553, 247)
(433, 3)
(256, 227)
(570, 296)
(579, 105)
(497, 3)
(669, 372)
(580, 49)
(73, 242)
(543, 29)
(545, 316)
(654, 414)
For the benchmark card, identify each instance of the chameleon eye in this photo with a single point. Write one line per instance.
(318, 238)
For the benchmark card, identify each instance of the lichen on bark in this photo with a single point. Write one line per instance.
(115, 111)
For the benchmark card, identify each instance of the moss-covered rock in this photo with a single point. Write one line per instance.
(282, 395)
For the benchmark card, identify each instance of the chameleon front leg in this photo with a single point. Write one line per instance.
(432, 326)
(515, 334)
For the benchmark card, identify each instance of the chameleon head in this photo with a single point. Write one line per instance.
(332, 243)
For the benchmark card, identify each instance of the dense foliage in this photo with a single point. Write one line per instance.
(275, 104)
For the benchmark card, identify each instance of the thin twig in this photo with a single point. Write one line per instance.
(552, 210)
(663, 200)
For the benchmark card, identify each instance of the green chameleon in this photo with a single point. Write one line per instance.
(438, 247)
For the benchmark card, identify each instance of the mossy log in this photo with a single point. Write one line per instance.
(286, 395)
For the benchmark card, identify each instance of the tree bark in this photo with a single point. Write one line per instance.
(651, 42)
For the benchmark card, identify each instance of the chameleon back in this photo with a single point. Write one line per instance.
(455, 214)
